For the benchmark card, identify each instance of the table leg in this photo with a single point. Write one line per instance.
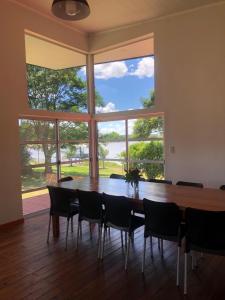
(55, 226)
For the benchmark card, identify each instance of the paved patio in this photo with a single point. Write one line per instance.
(35, 202)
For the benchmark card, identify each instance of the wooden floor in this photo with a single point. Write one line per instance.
(30, 269)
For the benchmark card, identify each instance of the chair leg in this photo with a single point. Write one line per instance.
(127, 252)
(49, 227)
(78, 232)
(185, 273)
(151, 246)
(71, 224)
(159, 243)
(67, 229)
(125, 240)
(178, 266)
(103, 244)
(143, 261)
(121, 236)
(99, 240)
(90, 229)
(161, 247)
(81, 230)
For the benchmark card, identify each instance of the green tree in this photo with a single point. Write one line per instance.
(148, 151)
(150, 101)
(102, 152)
(111, 137)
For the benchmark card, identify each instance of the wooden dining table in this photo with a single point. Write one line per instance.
(183, 196)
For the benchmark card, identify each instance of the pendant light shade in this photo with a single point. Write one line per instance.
(70, 10)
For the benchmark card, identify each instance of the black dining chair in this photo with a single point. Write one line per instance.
(118, 216)
(64, 179)
(159, 181)
(90, 210)
(117, 176)
(62, 205)
(222, 187)
(204, 233)
(191, 184)
(163, 220)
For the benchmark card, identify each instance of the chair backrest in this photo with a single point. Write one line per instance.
(205, 230)
(161, 219)
(117, 210)
(117, 176)
(193, 184)
(68, 178)
(160, 181)
(222, 187)
(90, 205)
(60, 200)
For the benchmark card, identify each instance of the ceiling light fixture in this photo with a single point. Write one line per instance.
(70, 10)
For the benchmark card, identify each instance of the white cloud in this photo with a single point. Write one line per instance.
(145, 68)
(109, 107)
(116, 69)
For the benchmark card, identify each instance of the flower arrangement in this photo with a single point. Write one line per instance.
(133, 176)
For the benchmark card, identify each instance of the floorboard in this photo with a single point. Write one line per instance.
(31, 269)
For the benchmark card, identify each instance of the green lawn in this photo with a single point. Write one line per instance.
(38, 179)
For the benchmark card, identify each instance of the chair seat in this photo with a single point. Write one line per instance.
(136, 222)
(74, 210)
(172, 238)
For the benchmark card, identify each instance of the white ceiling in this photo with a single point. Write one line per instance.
(109, 14)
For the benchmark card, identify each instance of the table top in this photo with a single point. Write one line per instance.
(206, 198)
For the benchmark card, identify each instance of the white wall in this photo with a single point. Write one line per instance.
(190, 87)
(13, 95)
(190, 53)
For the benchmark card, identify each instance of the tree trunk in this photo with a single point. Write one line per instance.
(48, 155)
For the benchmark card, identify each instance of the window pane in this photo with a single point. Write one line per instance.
(111, 147)
(125, 85)
(74, 148)
(146, 146)
(55, 82)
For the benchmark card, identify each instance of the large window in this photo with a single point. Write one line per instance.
(124, 77)
(130, 144)
(50, 147)
(56, 77)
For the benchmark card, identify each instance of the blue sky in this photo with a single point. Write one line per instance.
(123, 83)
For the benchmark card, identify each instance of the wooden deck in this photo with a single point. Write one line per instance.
(30, 269)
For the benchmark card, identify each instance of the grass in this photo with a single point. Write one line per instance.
(38, 178)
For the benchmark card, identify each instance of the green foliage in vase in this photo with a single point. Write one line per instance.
(132, 176)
